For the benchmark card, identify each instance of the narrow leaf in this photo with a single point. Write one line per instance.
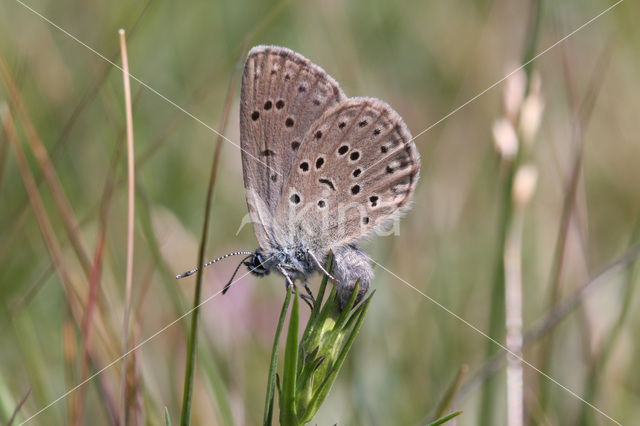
(324, 388)
(445, 419)
(167, 419)
(323, 285)
(290, 369)
(271, 380)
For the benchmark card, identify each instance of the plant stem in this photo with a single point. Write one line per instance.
(271, 381)
(185, 414)
(290, 370)
(497, 314)
(130, 223)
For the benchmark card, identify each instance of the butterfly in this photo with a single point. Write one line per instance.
(321, 171)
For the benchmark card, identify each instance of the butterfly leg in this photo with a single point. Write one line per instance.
(308, 300)
(319, 265)
(289, 283)
(309, 292)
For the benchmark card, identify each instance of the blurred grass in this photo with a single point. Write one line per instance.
(185, 413)
(425, 59)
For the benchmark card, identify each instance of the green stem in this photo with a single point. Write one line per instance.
(496, 320)
(271, 381)
(185, 414)
(290, 370)
(187, 396)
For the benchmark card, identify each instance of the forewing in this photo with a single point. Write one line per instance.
(356, 169)
(283, 94)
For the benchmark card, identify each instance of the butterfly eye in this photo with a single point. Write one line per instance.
(280, 104)
(343, 149)
(322, 204)
(289, 122)
(363, 123)
(374, 200)
(267, 105)
(354, 156)
(356, 172)
(376, 132)
(384, 149)
(318, 134)
(365, 220)
(295, 145)
(319, 162)
(255, 115)
(355, 189)
(304, 166)
(295, 198)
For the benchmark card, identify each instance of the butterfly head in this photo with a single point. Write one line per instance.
(257, 263)
(295, 261)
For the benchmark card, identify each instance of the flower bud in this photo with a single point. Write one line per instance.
(524, 184)
(505, 139)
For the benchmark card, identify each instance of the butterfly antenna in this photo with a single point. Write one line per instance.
(228, 284)
(193, 271)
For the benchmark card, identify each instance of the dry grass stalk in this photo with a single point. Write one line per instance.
(130, 221)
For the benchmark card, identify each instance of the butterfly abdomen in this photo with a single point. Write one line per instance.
(350, 264)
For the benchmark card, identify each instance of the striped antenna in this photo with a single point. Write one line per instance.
(193, 271)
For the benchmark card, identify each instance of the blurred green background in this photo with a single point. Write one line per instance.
(425, 58)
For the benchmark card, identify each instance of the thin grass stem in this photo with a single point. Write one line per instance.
(447, 398)
(581, 115)
(497, 313)
(185, 413)
(130, 222)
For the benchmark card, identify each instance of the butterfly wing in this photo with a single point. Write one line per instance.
(282, 95)
(356, 169)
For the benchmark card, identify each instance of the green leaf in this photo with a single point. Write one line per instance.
(325, 386)
(314, 332)
(278, 386)
(348, 310)
(445, 419)
(355, 316)
(271, 380)
(167, 419)
(323, 285)
(290, 369)
(316, 314)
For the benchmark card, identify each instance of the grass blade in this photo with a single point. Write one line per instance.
(185, 413)
(167, 418)
(445, 419)
(130, 223)
(323, 285)
(18, 407)
(271, 381)
(290, 370)
(453, 388)
(324, 388)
